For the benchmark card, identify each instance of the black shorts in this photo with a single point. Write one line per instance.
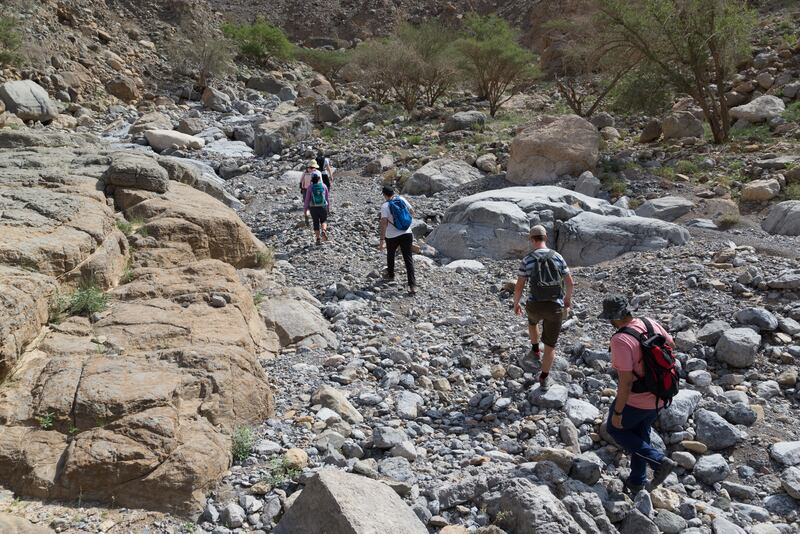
(551, 315)
(319, 214)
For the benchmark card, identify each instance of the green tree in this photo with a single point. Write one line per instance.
(10, 41)
(260, 41)
(590, 68)
(493, 60)
(389, 67)
(203, 52)
(329, 63)
(432, 43)
(694, 45)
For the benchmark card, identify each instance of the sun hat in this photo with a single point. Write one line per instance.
(313, 163)
(615, 308)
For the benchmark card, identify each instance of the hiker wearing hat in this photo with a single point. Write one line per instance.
(550, 287)
(395, 232)
(312, 169)
(635, 408)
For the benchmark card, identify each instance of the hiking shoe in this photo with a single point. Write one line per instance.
(319, 242)
(545, 381)
(325, 235)
(531, 362)
(662, 472)
(412, 290)
(633, 489)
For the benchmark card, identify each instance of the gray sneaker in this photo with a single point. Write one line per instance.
(662, 472)
(545, 382)
(531, 362)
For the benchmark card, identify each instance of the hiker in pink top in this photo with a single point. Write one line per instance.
(631, 416)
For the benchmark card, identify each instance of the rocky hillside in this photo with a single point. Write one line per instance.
(178, 355)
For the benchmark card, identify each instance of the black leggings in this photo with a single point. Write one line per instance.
(326, 180)
(404, 242)
(319, 214)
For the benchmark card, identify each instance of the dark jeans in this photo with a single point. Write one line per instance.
(634, 437)
(404, 242)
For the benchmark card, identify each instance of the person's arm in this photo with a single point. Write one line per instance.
(570, 283)
(624, 386)
(327, 196)
(384, 224)
(520, 285)
(329, 169)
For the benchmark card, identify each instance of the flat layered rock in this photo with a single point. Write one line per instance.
(137, 405)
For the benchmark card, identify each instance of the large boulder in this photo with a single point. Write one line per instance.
(665, 208)
(738, 347)
(162, 140)
(464, 120)
(216, 100)
(273, 136)
(11, 524)
(783, 218)
(680, 124)
(553, 146)
(124, 88)
(267, 83)
(137, 171)
(760, 190)
(495, 224)
(590, 238)
(439, 175)
(155, 120)
(136, 406)
(759, 109)
(28, 101)
(200, 176)
(528, 508)
(335, 502)
(294, 315)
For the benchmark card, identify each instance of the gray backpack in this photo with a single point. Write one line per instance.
(545, 281)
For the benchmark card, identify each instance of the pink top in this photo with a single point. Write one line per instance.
(626, 355)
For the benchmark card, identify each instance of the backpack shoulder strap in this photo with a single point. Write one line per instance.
(630, 331)
(649, 326)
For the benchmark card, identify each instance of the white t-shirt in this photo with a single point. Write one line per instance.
(386, 213)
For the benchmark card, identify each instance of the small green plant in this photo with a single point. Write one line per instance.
(792, 112)
(728, 220)
(793, 192)
(755, 134)
(260, 41)
(502, 516)
(10, 41)
(125, 227)
(243, 440)
(634, 203)
(265, 259)
(45, 421)
(190, 527)
(668, 173)
(327, 133)
(127, 274)
(280, 471)
(685, 166)
(413, 139)
(258, 297)
(615, 187)
(88, 299)
(72, 430)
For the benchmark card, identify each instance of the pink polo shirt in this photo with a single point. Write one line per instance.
(626, 355)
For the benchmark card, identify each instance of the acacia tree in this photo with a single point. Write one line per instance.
(390, 67)
(10, 40)
(204, 52)
(329, 63)
(493, 60)
(260, 40)
(591, 66)
(693, 44)
(432, 43)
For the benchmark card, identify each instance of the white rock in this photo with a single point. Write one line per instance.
(163, 139)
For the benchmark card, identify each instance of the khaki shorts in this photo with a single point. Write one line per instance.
(551, 315)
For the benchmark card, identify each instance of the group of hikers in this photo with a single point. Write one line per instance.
(641, 348)
(641, 354)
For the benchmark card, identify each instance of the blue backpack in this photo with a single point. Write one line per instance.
(400, 214)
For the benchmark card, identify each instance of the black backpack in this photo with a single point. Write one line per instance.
(660, 373)
(545, 280)
(321, 162)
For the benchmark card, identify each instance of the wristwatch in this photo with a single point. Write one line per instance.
(617, 413)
